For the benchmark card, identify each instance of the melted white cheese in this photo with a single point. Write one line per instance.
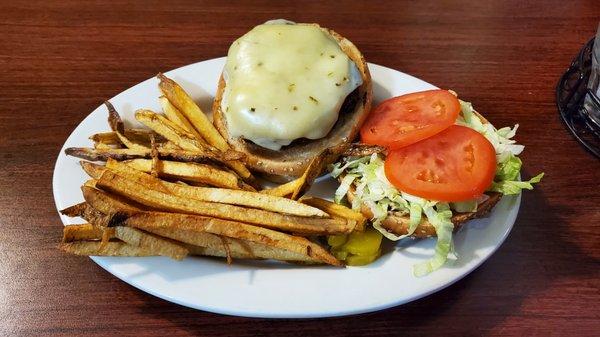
(285, 81)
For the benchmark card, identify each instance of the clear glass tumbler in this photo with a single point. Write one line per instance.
(591, 104)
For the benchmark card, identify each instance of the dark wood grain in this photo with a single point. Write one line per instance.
(61, 59)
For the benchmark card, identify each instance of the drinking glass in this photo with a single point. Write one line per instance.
(591, 105)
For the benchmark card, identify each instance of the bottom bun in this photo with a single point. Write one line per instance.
(397, 223)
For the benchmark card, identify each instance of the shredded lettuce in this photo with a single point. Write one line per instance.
(366, 176)
(509, 168)
(440, 220)
(508, 187)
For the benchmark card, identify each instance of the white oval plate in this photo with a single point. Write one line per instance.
(269, 288)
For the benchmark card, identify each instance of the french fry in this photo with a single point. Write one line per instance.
(168, 129)
(105, 138)
(90, 183)
(300, 245)
(336, 210)
(202, 243)
(182, 101)
(197, 172)
(92, 170)
(297, 187)
(159, 200)
(150, 242)
(96, 248)
(129, 143)
(203, 156)
(84, 232)
(311, 173)
(220, 195)
(114, 120)
(104, 146)
(96, 217)
(283, 190)
(103, 154)
(169, 145)
(175, 116)
(107, 203)
(247, 199)
(75, 210)
(140, 136)
(154, 156)
(219, 252)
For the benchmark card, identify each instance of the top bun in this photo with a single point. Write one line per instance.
(291, 161)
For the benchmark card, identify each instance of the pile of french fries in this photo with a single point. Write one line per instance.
(177, 189)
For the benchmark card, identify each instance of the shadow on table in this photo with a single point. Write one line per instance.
(478, 303)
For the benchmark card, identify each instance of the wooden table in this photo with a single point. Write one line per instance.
(60, 59)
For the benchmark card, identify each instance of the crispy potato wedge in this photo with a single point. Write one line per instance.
(300, 245)
(154, 158)
(246, 198)
(283, 190)
(94, 216)
(202, 156)
(314, 169)
(169, 130)
(197, 172)
(105, 138)
(169, 146)
(334, 209)
(107, 203)
(140, 136)
(85, 232)
(92, 170)
(213, 245)
(96, 248)
(182, 101)
(218, 252)
(90, 183)
(175, 116)
(135, 190)
(297, 187)
(114, 120)
(104, 146)
(129, 143)
(75, 210)
(150, 242)
(220, 195)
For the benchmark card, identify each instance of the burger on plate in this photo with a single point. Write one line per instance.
(288, 92)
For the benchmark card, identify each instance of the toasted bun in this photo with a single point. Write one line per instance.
(398, 223)
(291, 161)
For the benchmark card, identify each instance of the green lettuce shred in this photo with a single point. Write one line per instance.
(440, 219)
(509, 187)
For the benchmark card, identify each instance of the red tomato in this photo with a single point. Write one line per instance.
(457, 164)
(407, 119)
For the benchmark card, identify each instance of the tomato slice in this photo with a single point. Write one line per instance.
(407, 119)
(457, 164)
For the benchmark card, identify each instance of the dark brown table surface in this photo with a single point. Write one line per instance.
(60, 59)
